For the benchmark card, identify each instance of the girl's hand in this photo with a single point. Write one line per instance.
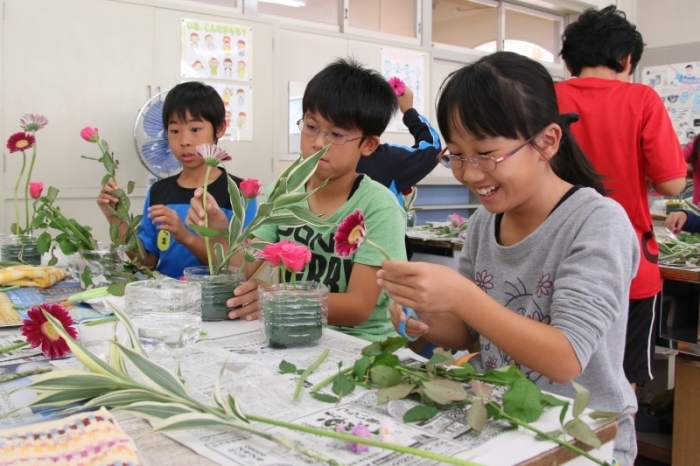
(195, 214)
(675, 221)
(414, 328)
(422, 286)
(245, 300)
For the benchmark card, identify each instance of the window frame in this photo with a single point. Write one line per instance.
(417, 26)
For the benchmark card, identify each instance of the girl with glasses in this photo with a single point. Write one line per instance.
(545, 271)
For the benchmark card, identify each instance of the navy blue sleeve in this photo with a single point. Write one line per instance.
(404, 166)
(692, 225)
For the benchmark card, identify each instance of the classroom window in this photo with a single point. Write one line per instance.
(519, 46)
(465, 23)
(533, 34)
(317, 11)
(397, 17)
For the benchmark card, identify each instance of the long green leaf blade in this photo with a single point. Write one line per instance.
(154, 375)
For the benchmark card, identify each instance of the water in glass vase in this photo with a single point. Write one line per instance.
(166, 314)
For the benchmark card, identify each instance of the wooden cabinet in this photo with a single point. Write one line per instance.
(686, 413)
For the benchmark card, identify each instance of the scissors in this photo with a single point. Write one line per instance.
(410, 314)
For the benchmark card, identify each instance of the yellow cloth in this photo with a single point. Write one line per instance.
(27, 275)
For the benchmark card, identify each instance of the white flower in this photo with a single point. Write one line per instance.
(386, 430)
(212, 154)
(33, 122)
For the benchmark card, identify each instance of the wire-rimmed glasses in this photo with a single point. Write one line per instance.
(485, 163)
(331, 136)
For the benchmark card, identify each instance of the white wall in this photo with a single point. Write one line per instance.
(665, 23)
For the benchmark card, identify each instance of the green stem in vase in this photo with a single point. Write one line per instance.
(19, 178)
(26, 189)
(206, 219)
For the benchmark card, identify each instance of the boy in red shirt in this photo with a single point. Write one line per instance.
(628, 136)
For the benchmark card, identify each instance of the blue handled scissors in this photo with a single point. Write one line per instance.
(410, 314)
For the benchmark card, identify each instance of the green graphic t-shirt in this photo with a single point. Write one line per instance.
(385, 221)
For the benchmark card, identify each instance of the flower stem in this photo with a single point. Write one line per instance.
(26, 189)
(329, 379)
(8, 348)
(554, 439)
(105, 320)
(365, 441)
(308, 371)
(19, 178)
(379, 248)
(206, 219)
(9, 288)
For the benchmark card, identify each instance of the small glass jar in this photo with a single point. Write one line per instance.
(20, 248)
(292, 315)
(216, 290)
(166, 314)
(411, 219)
(105, 266)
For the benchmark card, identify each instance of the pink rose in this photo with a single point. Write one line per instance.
(294, 256)
(271, 253)
(35, 189)
(89, 134)
(250, 187)
(456, 220)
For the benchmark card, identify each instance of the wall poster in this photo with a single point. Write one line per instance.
(216, 51)
(678, 84)
(238, 102)
(407, 65)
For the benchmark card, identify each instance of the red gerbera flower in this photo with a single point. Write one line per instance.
(351, 232)
(20, 142)
(39, 331)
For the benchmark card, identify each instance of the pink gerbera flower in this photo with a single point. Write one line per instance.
(33, 122)
(20, 142)
(39, 331)
(351, 232)
(212, 154)
(398, 85)
(362, 432)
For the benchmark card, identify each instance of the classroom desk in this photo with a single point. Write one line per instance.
(236, 341)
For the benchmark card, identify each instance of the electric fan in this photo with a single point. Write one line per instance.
(151, 141)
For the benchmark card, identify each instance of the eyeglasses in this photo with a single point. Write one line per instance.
(331, 136)
(484, 163)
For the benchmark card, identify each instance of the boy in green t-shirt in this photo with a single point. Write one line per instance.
(349, 106)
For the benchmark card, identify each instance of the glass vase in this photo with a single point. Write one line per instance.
(20, 248)
(292, 315)
(411, 218)
(166, 314)
(104, 267)
(216, 290)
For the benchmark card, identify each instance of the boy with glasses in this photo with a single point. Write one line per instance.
(627, 135)
(349, 107)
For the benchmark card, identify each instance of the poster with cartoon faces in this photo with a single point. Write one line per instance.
(238, 102)
(678, 85)
(408, 66)
(216, 51)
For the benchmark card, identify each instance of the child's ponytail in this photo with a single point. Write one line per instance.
(570, 163)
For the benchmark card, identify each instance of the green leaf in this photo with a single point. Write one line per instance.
(481, 390)
(194, 420)
(420, 413)
(219, 253)
(75, 379)
(287, 367)
(51, 194)
(237, 208)
(300, 174)
(373, 349)
(68, 247)
(309, 217)
(155, 412)
(235, 408)
(293, 198)
(325, 398)
(385, 376)
(123, 398)
(155, 375)
(443, 389)
(581, 399)
(386, 359)
(582, 432)
(342, 385)
(562, 413)
(86, 277)
(205, 231)
(117, 289)
(118, 193)
(66, 397)
(389, 345)
(554, 433)
(550, 400)
(105, 179)
(505, 374)
(466, 371)
(43, 243)
(477, 415)
(397, 392)
(108, 162)
(130, 187)
(284, 220)
(437, 359)
(522, 400)
(360, 368)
